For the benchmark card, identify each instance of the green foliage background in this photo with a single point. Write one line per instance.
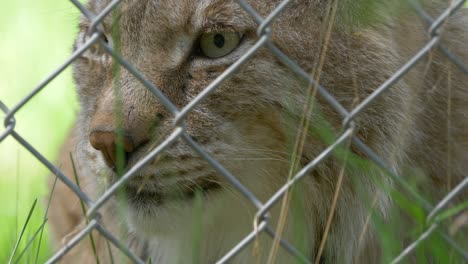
(36, 37)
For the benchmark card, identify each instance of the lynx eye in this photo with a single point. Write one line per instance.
(219, 44)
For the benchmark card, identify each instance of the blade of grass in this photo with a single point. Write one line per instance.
(17, 190)
(451, 212)
(93, 244)
(111, 257)
(120, 162)
(301, 137)
(31, 240)
(331, 214)
(22, 231)
(197, 227)
(45, 217)
(28, 234)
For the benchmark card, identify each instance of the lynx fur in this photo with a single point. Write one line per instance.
(249, 124)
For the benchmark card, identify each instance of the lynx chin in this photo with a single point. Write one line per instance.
(250, 124)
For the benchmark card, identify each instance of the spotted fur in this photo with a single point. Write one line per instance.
(250, 122)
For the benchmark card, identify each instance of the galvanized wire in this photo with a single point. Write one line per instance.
(263, 208)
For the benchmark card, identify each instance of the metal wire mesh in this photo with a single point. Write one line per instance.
(179, 132)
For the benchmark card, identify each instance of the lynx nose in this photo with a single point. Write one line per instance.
(105, 142)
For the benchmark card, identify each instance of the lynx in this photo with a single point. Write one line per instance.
(250, 123)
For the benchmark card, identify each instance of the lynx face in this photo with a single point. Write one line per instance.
(250, 122)
(182, 48)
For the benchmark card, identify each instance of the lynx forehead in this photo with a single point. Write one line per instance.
(250, 122)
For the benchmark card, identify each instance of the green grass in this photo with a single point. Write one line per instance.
(36, 38)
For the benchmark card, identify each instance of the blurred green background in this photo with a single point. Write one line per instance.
(35, 38)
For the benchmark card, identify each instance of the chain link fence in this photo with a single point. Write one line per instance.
(262, 220)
